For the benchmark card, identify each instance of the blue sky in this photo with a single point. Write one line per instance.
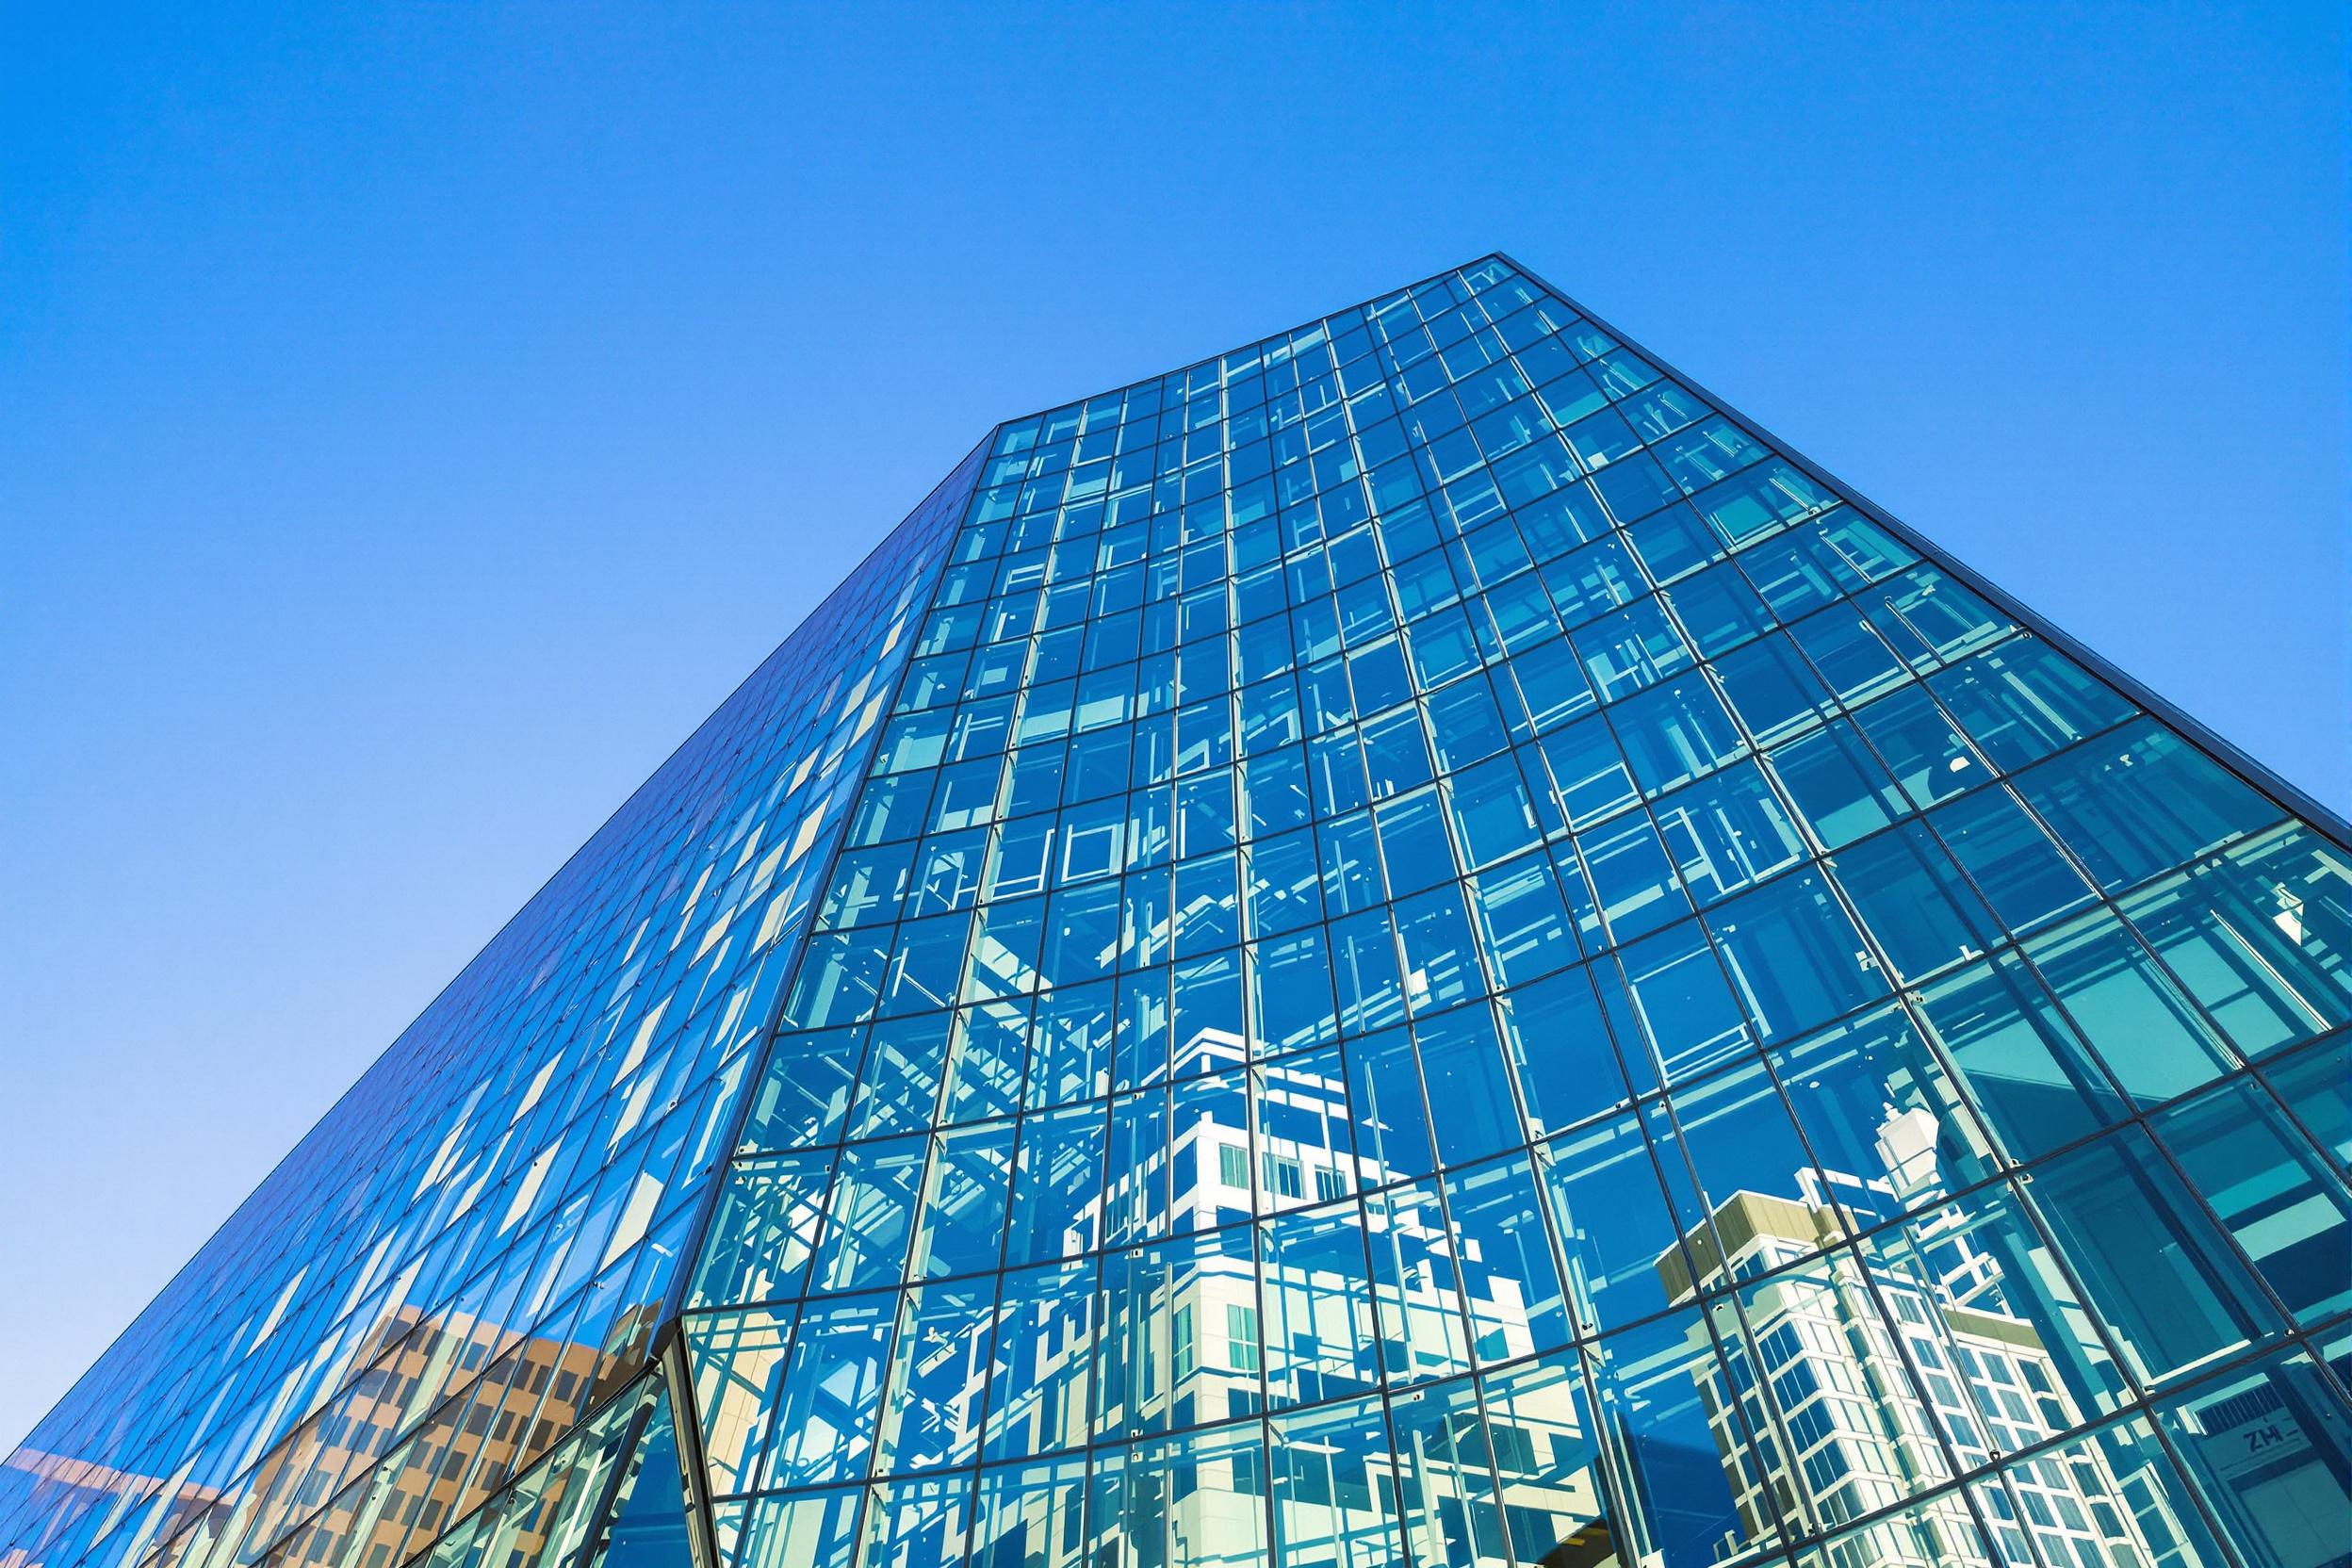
(417, 422)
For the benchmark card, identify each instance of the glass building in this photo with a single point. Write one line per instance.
(1412, 945)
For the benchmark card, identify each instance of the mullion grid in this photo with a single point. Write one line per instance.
(739, 751)
(1166, 535)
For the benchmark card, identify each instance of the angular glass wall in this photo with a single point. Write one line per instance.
(1449, 959)
(1421, 947)
(474, 1249)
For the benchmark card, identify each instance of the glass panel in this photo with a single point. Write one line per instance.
(2010, 861)
(1321, 1337)
(1335, 1489)
(2140, 801)
(962, 1230)
(1688, 1453)
(1445, 1478)
(2257, 937)
(2271, 1451)
(1793, 956)
(1687, 1008)
(1924, 915)
(1039, 1393)
(805, 1094)
(1306, 1145)
(1463, 1070)
(1194, 1502)
(2146, 1033)
(2316, 1086)
(2113, 1495)
(938, 1372)
(870, 1215)
(1170, 1354)
(823, 1412)
(1416, 1275)
(1887, 1124)
(2023, 700)
(1561, 1051)
(1612, 1221)
(770, 1218)
(738, 1360)
(2030, 1075)
(1331, 1022)
(1031, 1515)
(1393, 1137)
(2160, 1275)
(1839, 786)
(1509, 1283)
(814, 1529)
(2287, 1211)
(920, 1524)
(1926, 755)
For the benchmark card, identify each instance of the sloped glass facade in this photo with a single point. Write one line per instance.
(1410, 945)
(475, 1248)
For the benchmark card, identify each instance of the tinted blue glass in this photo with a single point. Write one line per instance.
(501, 1203)
(1441, 955)
(1488, 776)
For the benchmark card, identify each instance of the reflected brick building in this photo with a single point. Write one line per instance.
(1413, 943)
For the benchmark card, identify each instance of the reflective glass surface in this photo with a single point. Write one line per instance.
(1423, 949)
(474, 1249)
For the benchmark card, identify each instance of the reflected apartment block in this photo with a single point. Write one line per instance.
(1413, 943)
(1866, 1372)
(531, 1392)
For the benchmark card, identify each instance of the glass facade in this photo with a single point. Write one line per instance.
(1409, 946)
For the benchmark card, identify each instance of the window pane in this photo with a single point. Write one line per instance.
(2032, 1077)
(1038, 1392)
(2258, 936)
(825, 1411)
(1417, 1285)
(1510, 1281)
(2147, 1034)
(2024, 699)
(1841, 788)
(2170, 1287)
(1463, 1071)
(1445, 1479)
(2316, 1084)
(1688, 1451)
(963, 1209)
(1793, 956)
(1057, 1187)
(1547, 1457)
(1031, 1514)
(1888, 1125)
(2270, 1452)
(2286, 1209)
(1914, 902)
(2140, 801)
(1612, 1220)
(1334, 1487)
(938, 1374)
(1726, 833)
(2011, 860)
(1560, 1052)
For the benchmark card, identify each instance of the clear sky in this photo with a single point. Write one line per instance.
(413, 421)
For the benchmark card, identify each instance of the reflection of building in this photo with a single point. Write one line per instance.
(1173, 1022)
(1870, 1416)
(2256, 1441)
(338, 1478)
(72, 1485)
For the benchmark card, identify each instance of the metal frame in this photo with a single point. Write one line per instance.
(2250, 770)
